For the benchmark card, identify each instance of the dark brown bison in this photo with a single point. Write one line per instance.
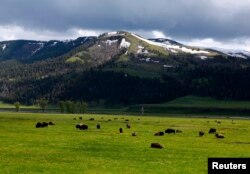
(45, 124)
(109, 120)
(219, 136)
(159, 134)
(39, 125)
(51, 123)
(127, 120)
(91, 119)
(170, 131)
(201, 133)
(80, 118)
(121, 131)
(98, 126)
(82, 126)
(212, 131)
(128, 126)
(134, 134)
(156, 145)
(178, 131)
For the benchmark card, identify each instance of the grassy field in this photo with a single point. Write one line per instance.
(197, 105)
(63, 149)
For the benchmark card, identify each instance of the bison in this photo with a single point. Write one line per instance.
(91, 119)
(201, 133)
(156, 145)
(98, 126)
(212, 131)
(45, 124)
(219, 136)
(169, 131)
(178, 131)
(159, 134)
(39, 125)
(128, 126)
(80, 118)
(51, 123)
(82, 126)
(134, 134)
(121, 131)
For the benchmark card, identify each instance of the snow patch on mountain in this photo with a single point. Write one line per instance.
(110, 42)
(4, 47)
(41, 45)
(170, 47)
(124, 43)
(234, 53)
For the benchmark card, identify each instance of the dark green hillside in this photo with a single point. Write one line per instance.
(119, 68)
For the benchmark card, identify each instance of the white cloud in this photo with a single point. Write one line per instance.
(234, 44)
(11, 32)
(158, 34)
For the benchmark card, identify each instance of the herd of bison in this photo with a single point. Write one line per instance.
(81, 126)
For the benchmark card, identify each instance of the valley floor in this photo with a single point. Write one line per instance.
(64, 149)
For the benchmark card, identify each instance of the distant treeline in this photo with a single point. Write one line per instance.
(110, 87)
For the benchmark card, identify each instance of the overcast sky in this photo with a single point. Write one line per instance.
(216, 23)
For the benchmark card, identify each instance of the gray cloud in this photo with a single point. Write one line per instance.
(181, 19)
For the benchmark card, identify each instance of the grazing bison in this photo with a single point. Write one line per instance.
(91, 119)
(127, 120)
(219, 136)
(51, 123)
(169, 131)
(178, 131)
(201, 133)
(128, 126)
(212, 131)
(98, 126)
(218, 122)
(45, 124)
(159, 134)
(39, 125)
(80, 118)
(134, 134)
(109, 120)
(156, 145)
(82, 126)
(120, 130)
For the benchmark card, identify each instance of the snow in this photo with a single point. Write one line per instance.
(124, 43)
(203, 57)
(54, 43)
(141, 51)
(173, 51)
(170, 46)
(167, 66)
(112, 33)
(235, 53)
(4, 47)
(147, 59)
(110, 42)
(41, 44)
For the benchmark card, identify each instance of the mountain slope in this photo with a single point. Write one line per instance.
(118, 68)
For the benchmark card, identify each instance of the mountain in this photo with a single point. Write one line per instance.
(119, 68)
(29, 51)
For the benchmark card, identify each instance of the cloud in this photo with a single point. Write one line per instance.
(222, 20)
(233, 44)
(180, 18)
(13, 32)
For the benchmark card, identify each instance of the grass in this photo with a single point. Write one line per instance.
(74, 59)
(197, 105)
(63, 149)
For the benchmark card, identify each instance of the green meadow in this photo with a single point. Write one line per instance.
(62, 148)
